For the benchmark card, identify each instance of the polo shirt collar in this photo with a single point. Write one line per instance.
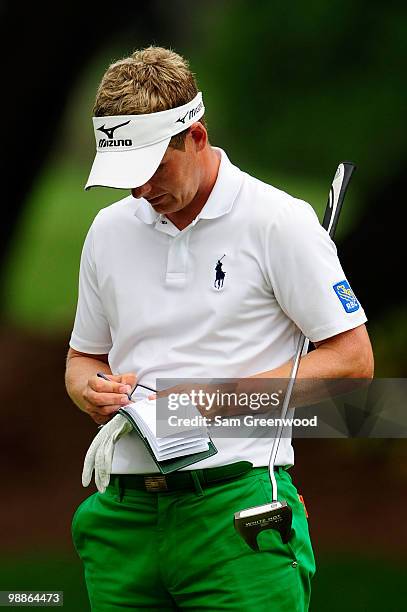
(219, 203)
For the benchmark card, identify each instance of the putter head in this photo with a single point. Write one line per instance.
(276, 515)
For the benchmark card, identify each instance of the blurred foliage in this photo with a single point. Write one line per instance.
(302, 86)
(46, 571)
(42, 277)
(358, 584)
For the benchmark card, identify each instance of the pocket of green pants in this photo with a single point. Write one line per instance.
(299, 536)
(75, 522)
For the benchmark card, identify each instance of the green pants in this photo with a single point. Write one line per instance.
(179, 550)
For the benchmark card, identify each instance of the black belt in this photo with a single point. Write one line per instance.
(180, 480)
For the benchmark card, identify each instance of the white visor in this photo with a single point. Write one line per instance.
(129, 148)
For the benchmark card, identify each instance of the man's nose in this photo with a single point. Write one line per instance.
(140, 192)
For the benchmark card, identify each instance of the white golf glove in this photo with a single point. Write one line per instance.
(100, 453)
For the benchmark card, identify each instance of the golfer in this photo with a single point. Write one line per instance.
(199, 271)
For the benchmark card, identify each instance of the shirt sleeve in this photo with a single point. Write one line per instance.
(91, 331)
(306, 276)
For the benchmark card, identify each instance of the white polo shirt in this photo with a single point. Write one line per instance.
(148, 296)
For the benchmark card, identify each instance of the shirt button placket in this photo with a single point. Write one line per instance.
(177, 260)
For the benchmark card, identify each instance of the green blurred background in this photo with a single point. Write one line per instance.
(290, 90)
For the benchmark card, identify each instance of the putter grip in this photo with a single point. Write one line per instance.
(336, 196)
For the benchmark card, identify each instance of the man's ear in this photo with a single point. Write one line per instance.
(199, 136)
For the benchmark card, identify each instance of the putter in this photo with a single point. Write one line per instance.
(278, 514)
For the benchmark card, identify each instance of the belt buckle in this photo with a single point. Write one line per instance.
(154, 484)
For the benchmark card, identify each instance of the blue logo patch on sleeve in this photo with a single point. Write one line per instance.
(346, 296)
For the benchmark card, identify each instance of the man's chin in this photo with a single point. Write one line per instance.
(161, 208)
(165, 206)
(160, 201)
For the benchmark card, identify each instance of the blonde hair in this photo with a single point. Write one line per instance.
(150, 80)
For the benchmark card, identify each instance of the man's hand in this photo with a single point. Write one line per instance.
(102, 399)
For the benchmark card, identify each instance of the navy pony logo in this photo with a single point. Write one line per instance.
(220, 274)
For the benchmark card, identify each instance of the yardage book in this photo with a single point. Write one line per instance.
(175, 450)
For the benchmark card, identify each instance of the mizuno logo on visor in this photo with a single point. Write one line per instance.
(190, 114)
(110, 131)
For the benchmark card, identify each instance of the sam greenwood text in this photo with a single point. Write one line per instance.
(248, 420)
